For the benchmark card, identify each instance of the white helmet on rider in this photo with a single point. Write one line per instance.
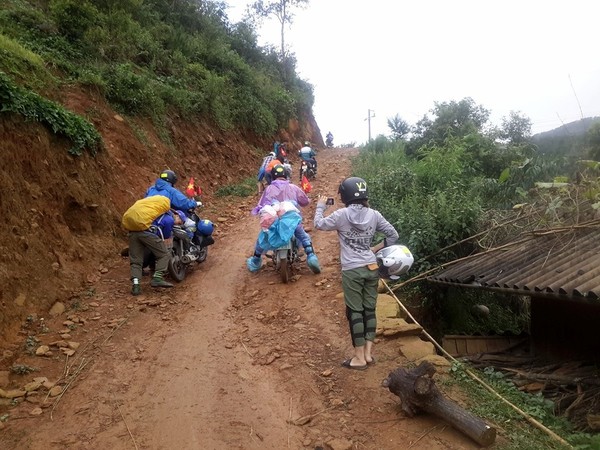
(393, 261)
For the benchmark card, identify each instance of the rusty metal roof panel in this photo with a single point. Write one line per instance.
(563, 264)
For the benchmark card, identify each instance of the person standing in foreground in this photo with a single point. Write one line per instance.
(356, 225)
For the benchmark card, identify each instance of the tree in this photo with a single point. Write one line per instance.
(593, 141)
(399, 127)
(281, 9)
(449, 120)
(453, 119)
(516, 129)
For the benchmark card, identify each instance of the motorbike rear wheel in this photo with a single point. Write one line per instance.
(202, 254)
(285, 269)
(176, 268)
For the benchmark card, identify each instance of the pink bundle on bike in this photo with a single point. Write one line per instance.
(267, 216)
(269, 213)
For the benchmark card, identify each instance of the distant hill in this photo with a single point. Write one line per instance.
(568, 139)
(577, 128)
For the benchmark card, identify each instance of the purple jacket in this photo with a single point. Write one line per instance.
(281, 190)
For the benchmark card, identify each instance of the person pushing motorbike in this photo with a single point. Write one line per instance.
(150, 225)
(262, 172)
(281, 190)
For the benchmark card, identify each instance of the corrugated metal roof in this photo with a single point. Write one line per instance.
(560, 264)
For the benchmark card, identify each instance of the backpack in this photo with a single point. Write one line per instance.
(140, 215)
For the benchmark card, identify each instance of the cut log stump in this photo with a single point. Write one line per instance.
(418, 392)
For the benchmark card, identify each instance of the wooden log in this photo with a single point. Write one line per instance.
(418, 391)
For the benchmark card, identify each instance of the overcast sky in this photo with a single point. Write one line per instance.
(539, 58)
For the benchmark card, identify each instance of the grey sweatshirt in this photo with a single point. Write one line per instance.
(356, 226)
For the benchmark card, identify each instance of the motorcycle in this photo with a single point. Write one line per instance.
(186, 249)
(329, 141)
(284, 258)
(308, 170)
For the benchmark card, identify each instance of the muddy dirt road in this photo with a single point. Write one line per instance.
(227, 359)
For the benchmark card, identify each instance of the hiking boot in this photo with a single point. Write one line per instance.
(136, 289)
(254, 263)
(159, 282)
(313, 263)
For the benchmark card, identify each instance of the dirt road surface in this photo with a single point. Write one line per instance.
(227, 359)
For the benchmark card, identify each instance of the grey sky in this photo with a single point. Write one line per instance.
(399, 57)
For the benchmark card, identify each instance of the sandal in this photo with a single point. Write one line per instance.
(347, 364)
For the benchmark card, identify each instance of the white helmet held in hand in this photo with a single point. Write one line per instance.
(393, 261)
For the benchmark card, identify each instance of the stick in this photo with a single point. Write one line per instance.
(470, 238)
(422, 436)
(593, 380)
(114, 331)
(479, 380)
(289, 421)
(245, 348)
(305, 419)
(422, 275)
(65, 370)
(77, 372)
(127, 426)
(589, 224)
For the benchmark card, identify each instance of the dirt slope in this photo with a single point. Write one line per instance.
(226, 359)
(62, 214)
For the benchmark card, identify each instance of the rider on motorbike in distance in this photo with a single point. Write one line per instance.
(307, 154)
(329, 139)
(281, 190)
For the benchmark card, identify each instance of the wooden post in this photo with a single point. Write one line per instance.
(418, 391)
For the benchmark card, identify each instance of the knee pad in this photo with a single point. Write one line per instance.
(356, 321)
(370, 318)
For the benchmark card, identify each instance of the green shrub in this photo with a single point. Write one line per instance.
(431, 201)
(154, 58)
(73, 17)
(131, 92)
(32, 106)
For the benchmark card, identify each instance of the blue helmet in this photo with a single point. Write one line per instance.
(205, 227)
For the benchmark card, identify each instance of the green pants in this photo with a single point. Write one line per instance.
(360, 296)
(140, 240)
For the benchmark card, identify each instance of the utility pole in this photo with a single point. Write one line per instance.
(369, 116)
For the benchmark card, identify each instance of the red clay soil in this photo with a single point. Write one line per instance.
(226, 359)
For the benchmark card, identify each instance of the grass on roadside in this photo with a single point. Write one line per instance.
(521, 435)
(245, 188)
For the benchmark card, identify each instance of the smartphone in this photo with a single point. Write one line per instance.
(329, 201)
